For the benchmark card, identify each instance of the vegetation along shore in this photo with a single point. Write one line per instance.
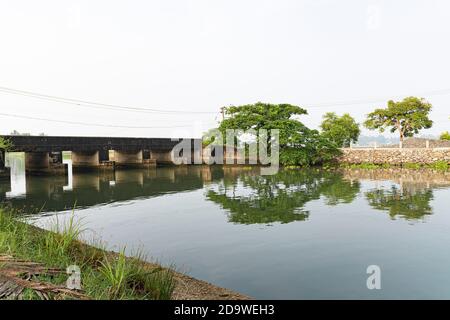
(33, 265)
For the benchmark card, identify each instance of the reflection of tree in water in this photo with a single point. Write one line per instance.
(405, 203)
(337, 190)
(280, 198)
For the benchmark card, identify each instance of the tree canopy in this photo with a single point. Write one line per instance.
(299, 145)
(341, 130)
(407, 117)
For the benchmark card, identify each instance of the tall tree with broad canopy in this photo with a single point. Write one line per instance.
(341, 130)
(407, 117)
(299, 145)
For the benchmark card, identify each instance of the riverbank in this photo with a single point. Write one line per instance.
(34, 261)
(438, 166)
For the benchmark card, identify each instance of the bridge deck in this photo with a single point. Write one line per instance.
(60, 143)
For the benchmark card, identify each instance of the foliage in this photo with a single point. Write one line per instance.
(439, 165)
(5, 146)
(445, 136)
(116, 272)
(407, 117)
(209, 137)
(413, 166)
(299, 145)
(341, 130)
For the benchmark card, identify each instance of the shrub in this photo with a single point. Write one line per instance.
(445, 136)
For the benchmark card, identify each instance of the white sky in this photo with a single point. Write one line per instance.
(200, 55)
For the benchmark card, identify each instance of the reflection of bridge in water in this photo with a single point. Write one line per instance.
(50, 193)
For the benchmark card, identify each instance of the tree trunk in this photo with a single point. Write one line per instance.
(400, 130)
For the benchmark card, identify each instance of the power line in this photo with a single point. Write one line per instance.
(373, 100)
(96, 105)
(90, 124)
(116, 107)
(104, 125)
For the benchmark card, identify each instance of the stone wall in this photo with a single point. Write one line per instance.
(422, 143)
(394, 156)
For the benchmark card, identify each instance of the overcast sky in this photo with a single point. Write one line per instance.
(200, 55)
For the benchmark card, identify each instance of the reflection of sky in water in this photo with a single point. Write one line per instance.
(69, 186)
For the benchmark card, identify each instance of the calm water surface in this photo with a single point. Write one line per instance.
(300, 234)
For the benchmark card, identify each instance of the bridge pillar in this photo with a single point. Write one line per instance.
(85, 159)
(126, 158)
(161, 156)
(37, 161)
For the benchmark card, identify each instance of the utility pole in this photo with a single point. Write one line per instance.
(222, 110)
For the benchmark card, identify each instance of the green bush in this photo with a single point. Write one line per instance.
(445, 136)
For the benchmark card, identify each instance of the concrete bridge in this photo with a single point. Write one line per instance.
(45, 152)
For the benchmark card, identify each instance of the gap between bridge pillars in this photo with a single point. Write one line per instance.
(37, 161)
(87, 159)
(128, 158)
(103, 155)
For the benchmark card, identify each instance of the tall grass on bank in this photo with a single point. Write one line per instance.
(104, 275)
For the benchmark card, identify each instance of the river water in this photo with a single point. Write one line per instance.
(299, 234)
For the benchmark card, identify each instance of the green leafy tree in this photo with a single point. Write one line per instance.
(209, 137)
(445, 136)
(407, 117)
(299, 145)
(5, 145)
(341, 130)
